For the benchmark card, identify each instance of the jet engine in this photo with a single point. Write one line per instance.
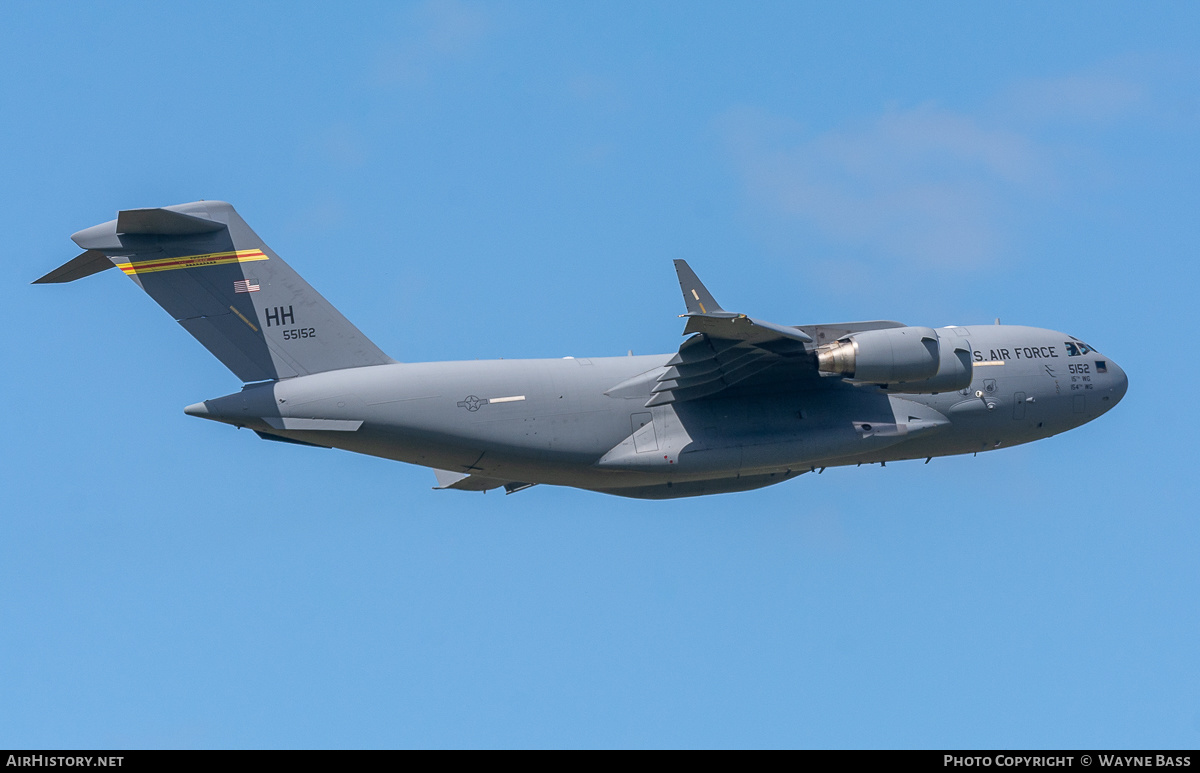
(916, 360)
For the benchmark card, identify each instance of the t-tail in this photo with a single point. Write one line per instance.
(216, 277)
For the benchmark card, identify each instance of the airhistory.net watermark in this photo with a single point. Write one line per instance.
(61, 761)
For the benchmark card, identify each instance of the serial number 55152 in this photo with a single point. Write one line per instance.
(300, 332)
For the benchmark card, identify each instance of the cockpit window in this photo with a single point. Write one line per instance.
(1077, 348)
(1072, 349)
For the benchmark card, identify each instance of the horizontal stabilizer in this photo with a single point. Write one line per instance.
(85, 264)
(164, 222)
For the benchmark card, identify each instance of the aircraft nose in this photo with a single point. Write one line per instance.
(1120, 382)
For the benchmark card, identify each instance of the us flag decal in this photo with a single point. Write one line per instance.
(246, 286)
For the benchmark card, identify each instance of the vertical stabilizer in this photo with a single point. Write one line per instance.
(205, 266)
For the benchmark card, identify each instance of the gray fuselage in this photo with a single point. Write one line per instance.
(583, 422)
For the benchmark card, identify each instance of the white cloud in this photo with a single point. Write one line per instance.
(1079, 97)
(922, 184)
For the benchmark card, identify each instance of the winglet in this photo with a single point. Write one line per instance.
(697, 297)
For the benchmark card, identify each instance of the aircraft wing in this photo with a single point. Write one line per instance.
(727, 348)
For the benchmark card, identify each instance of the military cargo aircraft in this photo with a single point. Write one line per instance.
(744, 403)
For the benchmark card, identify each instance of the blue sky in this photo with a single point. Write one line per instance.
(478, 180)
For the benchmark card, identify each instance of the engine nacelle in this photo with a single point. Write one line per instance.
(913, 360)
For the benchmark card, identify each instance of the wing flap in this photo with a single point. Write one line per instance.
(699, 349)
(725, 372)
